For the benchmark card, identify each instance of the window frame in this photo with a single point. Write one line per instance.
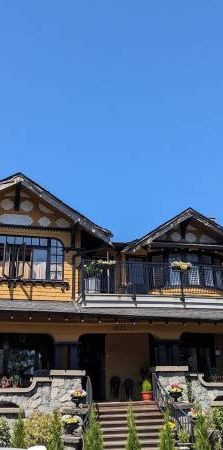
(32, 246)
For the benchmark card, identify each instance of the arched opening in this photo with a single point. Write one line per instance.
(111, 359)
(24, 355)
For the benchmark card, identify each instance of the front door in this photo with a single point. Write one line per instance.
(92, 360)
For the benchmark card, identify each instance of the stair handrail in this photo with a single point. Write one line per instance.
(164, 401)
(89, 402)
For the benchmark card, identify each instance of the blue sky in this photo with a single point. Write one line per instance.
(116, 106)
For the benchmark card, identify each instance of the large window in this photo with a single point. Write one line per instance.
(33, 258)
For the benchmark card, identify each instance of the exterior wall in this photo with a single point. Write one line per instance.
(202, 392)
(125, 356)
(44, 394)
(66, 331)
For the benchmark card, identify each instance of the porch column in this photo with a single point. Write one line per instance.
(66, 355)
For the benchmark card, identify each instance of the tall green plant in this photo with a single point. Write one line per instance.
(201, 432)
(167, 439)
(56, 440)
(19, 434)
(4, 432)
(133, 442)
(93, 436)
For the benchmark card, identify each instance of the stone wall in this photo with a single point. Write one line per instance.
(203, 392)
(45, 394)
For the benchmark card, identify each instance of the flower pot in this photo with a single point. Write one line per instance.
(78, 400)
(69, 428)
(146, 396)
(175, 395)
(92, 285)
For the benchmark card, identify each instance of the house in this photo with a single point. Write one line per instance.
(72, 302)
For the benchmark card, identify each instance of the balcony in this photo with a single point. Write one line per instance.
(145, 279)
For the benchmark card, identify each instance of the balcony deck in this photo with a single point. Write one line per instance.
(144, 283)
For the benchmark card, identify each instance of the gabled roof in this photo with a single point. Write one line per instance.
(188, 213)
(43, 194)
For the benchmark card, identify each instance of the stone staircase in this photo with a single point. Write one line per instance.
(113, 420)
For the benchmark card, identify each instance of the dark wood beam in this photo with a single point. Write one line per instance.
(160, 244)
(17, 197)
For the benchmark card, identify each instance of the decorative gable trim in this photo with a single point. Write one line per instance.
(172, 223)
(20, 179)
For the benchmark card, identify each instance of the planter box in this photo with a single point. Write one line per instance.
(92, 285)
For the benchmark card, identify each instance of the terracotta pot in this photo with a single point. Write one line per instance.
(146, 395)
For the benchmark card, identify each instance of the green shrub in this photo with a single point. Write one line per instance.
(18, 436)
(183, 435)
(5, 437)
(56, 440)
(217, 418)
(146, 386)
(201, 432)
(167, 438)
(93, 436)
(38, 429)
(133, 442)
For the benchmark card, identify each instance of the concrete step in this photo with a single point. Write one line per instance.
(138, 421)
(121, 409)
(142, 435)
(115, 445)
(124, 415)
(126, 404)
(140, 428)
(113, 421)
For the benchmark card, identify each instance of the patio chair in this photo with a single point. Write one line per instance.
(128, 385)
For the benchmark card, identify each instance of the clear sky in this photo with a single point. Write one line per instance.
(116, 106)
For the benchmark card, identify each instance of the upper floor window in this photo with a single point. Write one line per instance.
(23, 257)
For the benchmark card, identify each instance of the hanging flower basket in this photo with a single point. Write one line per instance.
(181, 265)
(105, 263)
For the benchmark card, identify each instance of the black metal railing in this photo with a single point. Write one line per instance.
(165, 401)
(143, 278)
(89, 401)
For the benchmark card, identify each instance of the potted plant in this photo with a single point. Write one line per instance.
(71, 423)
(92, 282)
(78, 396)
(175, 390)
(146, 391)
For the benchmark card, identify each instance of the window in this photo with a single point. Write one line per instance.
(33, 258)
